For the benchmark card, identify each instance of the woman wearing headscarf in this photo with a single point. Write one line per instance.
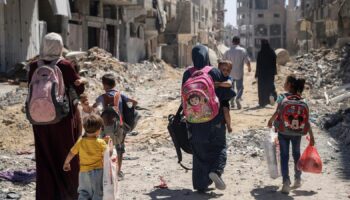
(53, 142)
(208, 139)
(265, 73)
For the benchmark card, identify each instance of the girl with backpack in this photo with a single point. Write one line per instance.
(291, 120)
(207, 135)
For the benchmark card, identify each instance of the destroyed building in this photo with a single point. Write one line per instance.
(325, 23)
(230, 32)
(261, 19)
(197, 21)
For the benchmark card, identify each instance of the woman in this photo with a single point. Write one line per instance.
(265, 73)
(53, 142)
(208, 139)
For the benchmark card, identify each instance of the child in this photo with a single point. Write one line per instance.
(108, 81)
(225, 67)
(292, 86)
(90, 150)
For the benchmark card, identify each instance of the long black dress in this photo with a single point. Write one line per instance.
(208, 139)
(265, 73)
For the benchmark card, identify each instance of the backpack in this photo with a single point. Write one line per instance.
(177, 128)
(47, 101)
(131, 116)
(293, 116)
(200, 103)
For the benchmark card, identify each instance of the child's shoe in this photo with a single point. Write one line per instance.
(286, 187)
(297, 183)
(219, 183)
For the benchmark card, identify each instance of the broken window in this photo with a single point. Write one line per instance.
(276, 15)
(275, 29)
(261, 4)
(261, 30)
(275, 43)
(93, 37)
(109, 11)
(94, 7)
(257, 43)
(260, 15)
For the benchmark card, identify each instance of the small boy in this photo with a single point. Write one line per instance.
(108, 81)
(90, 150)
(225, 86)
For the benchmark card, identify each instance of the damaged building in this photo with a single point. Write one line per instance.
(327, 23)
(129, 29)
(261, 19)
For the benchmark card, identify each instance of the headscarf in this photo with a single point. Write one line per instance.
(266, 48)
(52, 47)
(200, 56)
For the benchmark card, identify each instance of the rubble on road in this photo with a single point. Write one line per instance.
(338, 125)
(248, 143)
(283, 56)
(324, 68)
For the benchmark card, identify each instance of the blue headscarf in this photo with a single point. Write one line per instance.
(200, 56)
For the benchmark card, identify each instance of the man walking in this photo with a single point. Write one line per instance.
(238, 56)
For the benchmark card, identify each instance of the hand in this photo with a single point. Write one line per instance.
(66, 167)
(78, 82)
(312, 141)
(107, 138)
(269, 124)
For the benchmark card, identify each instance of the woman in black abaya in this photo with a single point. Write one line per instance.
(265, 73)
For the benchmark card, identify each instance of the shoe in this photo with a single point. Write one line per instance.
(219, 183)
(120, 176)
(239, 106)
(297, 183)
(286, 188)
(272, 100)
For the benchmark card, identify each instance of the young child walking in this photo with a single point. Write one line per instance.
(114, 131)
(294, 88)
(225, 86)
(90, 150)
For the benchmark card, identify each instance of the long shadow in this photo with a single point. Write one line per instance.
(183, 194)
(269, 193)
(303, 193)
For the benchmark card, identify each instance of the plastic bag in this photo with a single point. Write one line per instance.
(310, 161)
(110, 178)
(272, 154)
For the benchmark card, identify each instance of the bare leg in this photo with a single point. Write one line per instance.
(227, 119)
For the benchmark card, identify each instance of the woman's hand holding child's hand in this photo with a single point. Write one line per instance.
(66, 167)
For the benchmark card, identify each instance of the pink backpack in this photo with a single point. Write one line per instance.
(47, 102)
(200, 102)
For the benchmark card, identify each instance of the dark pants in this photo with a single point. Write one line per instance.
(209, 151)
(284, 142)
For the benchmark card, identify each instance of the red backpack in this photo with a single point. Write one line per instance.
(293, 116)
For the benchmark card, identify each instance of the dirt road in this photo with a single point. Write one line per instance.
(246, 175)
(150, 154)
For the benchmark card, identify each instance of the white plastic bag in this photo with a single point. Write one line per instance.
(271, 147)
(110, 178)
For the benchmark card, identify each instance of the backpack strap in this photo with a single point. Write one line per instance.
(206, 69)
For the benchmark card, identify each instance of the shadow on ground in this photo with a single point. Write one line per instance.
(183, 194)
(271, 192)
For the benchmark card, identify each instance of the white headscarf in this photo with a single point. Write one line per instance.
(52, 47)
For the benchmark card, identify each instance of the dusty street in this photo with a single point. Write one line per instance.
(150, 154)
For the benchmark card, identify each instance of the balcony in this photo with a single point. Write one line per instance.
(122, 2)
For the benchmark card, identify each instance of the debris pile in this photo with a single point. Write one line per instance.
(97, 62)
(13, 97)
(338, 124)
(249, 143)
(324, 68)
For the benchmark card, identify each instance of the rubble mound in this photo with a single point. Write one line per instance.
(324, 68)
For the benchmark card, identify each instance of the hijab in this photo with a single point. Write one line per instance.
(266, 49)
(200, 56)
(52, 47)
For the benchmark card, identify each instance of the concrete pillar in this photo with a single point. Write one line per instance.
(2, 39)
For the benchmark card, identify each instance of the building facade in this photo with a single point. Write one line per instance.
(261, 19)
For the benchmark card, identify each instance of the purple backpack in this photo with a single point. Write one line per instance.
(47, 102)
